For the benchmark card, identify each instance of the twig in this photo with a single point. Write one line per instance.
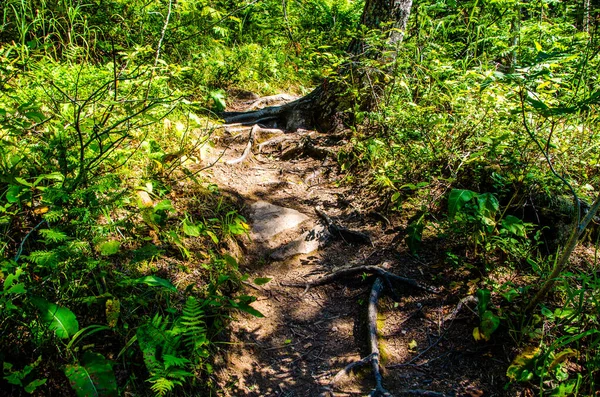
(353, 271)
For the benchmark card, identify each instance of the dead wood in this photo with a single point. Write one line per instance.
(353, 271)
(348, 235)
(372, 317)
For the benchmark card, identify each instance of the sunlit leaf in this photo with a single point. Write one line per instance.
(58, 319)
(93, 377)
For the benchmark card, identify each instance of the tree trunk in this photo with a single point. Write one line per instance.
(330, 106)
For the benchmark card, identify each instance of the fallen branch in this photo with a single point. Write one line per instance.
(353, 271)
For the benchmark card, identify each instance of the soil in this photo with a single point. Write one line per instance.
(305, 339)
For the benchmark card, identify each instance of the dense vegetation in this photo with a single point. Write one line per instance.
(118, 265)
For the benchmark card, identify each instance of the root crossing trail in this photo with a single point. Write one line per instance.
(370, 319)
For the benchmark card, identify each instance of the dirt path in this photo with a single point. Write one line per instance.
(305, 339)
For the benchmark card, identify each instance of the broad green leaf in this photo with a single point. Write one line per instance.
(164, 205)
(523, 366)
(457, 200)
(230, 260)
(58, 319)
(483, 300)
(248, 309)
(31, 386)
(23, 182)
(190, 229)
(94, 377)
(514, 225)
(13, 193)
(262, 280)
(155, 281)
(17, 289)
(488, 206)
(489, 324)
(107, 248)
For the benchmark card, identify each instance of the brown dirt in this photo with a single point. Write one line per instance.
(304, 340)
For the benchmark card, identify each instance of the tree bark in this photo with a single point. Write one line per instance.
(330, 106)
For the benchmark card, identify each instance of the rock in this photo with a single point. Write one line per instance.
(307, 242)
(268, 220)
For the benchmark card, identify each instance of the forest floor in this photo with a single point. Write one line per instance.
(305, 339)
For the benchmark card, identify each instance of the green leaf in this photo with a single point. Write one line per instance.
(59, 319)
(230, 260)
(164, 205)
(108, 248)
(262, 280)
(414, 234)
(213, 237)
(93, 378)
(31, 386)
(457, 200)
(190, 229)
(514, 225)
(483, 300)
(13, 193)
(155, 281)
(523, 366)
(489, 324)
(488, 206)
(248, 309)
(17, 289)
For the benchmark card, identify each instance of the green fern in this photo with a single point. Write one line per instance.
(44, 258)
(161, 386)
(192, 327)
(53, 235)
(159, 345)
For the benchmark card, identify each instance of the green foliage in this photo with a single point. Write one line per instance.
(58, 319)
(92, 377)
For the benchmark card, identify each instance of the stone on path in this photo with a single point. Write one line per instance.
(305, 244)
(269, 220)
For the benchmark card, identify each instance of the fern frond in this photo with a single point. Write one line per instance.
(53, 235)
(161, 386)
(177, 376)
(173, 361)
(44, 258)
(53, 216)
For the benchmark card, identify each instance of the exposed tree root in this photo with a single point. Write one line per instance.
(256, 129)
(248, 148)
(349, 236)
(274, 141)
(373, 358)
(372, 316)
(353, 271)
(271, 101)
(306, 147)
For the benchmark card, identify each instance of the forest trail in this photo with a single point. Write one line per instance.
(305, 339)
